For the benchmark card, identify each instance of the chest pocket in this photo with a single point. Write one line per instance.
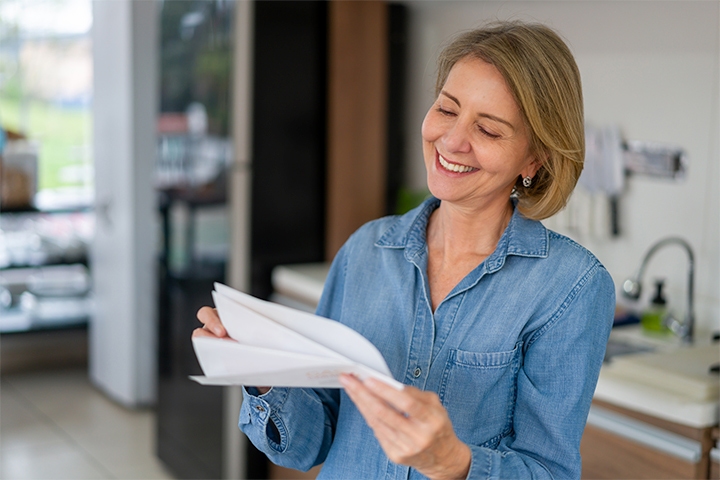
(479, 390)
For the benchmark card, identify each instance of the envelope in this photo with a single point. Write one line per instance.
(275, 345)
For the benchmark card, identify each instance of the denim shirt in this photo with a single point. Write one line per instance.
(514, 352)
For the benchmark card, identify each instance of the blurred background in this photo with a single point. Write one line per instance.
(152, 148)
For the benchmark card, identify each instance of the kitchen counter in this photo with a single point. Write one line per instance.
(649, 400)
(649, 397)
(299, 286)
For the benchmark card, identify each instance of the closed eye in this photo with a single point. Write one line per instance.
(488, 134)
(445, 112)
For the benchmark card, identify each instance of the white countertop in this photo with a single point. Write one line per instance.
(651, 401)
(301, 282)
(617, 388)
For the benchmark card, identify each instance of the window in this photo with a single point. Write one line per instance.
(46, 94)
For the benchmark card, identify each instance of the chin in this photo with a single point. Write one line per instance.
(444, 193)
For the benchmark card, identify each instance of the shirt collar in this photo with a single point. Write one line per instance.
(522, 237)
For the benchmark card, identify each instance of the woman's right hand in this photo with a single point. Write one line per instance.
(213, 327)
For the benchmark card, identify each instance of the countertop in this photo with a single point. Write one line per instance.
(299, 285)
(644, 398)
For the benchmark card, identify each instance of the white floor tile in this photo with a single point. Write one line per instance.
(49, 462)
(144, 473)
(51, 392)
(21, 425)
(97, 417)
(30, 435)
(56, 425)
(13, 411)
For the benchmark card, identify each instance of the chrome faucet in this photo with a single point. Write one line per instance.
(632, 288)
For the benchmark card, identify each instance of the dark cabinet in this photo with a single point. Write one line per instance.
(290, 218)
(286, 226)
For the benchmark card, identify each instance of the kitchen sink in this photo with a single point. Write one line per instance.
(685, 371)
(617, 347)
(661, 376)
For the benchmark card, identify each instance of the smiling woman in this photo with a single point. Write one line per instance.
(496, 325)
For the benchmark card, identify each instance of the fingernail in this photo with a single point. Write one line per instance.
(344, 379)
(218, 331)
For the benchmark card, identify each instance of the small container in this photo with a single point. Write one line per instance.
(18, 174)
(653, 319)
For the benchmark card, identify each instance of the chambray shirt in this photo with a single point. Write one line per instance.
(514, 352)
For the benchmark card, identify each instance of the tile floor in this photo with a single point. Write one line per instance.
(56, 425)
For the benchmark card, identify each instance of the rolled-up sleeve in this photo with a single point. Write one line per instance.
(295, 427)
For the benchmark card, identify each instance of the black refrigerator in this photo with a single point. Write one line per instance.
(287, 210)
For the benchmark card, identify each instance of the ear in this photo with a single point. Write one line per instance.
(534, 163)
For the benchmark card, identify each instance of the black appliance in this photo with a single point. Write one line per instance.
(287, 214)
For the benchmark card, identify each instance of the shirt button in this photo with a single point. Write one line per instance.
(417, 372)
(259, 408)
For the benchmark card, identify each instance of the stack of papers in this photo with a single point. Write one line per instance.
(274, 345)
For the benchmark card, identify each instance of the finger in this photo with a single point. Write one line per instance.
(201, 332)
(209, 318)
(372, 407)
(425, 417)
(401, 438)
(380, 416)
(410, 400)
(419, 439)
(394, 445)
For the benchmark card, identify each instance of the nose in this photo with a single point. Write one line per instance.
(456, 139)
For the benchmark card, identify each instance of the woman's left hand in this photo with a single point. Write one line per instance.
(412, 426)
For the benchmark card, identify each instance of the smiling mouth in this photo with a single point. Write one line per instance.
(454, 167)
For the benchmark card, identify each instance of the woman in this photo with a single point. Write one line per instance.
(496, 325)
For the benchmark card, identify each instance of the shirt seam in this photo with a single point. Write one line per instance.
(566, 303)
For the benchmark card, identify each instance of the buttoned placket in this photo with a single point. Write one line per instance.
(431, 330)
(421, 346)
(423, 335)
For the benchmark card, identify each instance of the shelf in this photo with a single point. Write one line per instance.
(48, 297)
(34, 210)
(14, 321)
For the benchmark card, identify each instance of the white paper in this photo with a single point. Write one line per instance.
(274, 345)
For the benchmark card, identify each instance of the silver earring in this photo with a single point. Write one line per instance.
(527, 181)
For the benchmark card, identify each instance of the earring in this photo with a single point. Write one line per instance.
(527, 181)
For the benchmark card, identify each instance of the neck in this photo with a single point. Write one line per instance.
(461, 231)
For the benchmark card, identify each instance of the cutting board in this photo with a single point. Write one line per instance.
(684, 371)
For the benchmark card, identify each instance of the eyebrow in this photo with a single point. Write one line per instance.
(483, 115)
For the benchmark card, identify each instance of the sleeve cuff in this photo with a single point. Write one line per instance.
(480, 464)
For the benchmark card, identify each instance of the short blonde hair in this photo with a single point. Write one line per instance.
(544, 79)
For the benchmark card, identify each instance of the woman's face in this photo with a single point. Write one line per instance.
(475, 142)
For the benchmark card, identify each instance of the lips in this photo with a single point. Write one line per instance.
(454, 167)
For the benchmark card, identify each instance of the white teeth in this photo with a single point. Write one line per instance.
(454, 167)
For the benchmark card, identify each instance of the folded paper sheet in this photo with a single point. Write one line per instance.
(274, 345)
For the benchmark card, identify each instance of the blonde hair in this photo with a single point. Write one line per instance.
(545, 81)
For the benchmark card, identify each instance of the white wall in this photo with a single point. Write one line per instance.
(123, 331)
(652, 67)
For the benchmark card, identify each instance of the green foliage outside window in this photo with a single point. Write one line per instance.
(46, 86)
